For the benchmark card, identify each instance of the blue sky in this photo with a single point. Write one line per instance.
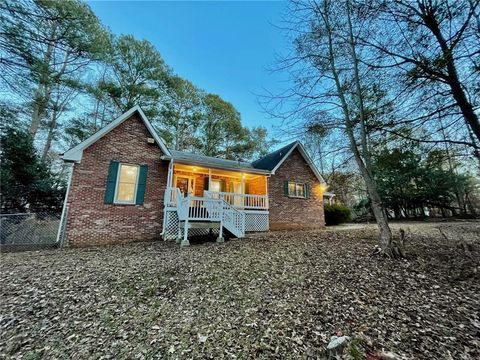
(222, 47)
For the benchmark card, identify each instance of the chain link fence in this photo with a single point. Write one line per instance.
(29, 231)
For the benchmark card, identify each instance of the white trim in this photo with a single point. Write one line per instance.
(117, 202)
(64, 207)
(190, 177)
(246, 211)
(305, 156)
(75, 154)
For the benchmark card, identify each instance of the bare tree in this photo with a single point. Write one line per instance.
(432, 49)
(327, 71)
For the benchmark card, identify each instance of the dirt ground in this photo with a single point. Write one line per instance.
(276, 295)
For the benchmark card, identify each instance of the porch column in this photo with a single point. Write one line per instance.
(267, 179)
(170, 173)
(209, 179)
(243, 191)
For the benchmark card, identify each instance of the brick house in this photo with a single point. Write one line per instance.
(126, 185)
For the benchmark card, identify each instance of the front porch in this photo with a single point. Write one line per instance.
(244, 195)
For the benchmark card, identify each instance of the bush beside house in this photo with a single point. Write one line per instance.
(336, 214)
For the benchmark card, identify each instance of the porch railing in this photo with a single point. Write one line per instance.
(199, 208)
(240, 201)
(244, 201)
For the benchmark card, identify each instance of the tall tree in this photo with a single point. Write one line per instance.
(181, 113)
(45, 44)
(327, 70)
(433, 49)
(136, 76)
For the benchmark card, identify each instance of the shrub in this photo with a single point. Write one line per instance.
(336, 214)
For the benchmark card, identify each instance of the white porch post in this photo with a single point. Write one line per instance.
(170, 174)
(267, 178)
(209, 179)
(242, 203)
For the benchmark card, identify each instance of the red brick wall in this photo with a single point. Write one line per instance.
(257, 185)
(294, 213)
(92, 222)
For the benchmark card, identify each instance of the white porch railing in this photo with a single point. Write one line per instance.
(243, 201)
(199, 208)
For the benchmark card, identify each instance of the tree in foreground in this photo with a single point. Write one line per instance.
(330, 86)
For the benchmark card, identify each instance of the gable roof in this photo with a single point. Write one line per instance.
(75, 154)
(275, 159)
(270, 161)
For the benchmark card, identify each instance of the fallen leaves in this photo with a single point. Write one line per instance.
(275, 295)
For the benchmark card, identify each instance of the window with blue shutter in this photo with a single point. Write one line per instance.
(126, 184)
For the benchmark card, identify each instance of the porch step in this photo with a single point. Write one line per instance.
(192, 224)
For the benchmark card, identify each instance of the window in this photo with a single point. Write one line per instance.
(127, 183)
(296, 189)
(216, 185)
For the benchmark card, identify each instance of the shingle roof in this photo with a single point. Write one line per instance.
(208, 161)
(270, 161)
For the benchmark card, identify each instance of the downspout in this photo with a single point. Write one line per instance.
(64, 207)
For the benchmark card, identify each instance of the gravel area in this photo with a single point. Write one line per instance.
(276, 295)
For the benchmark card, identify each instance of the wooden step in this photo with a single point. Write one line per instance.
(202, 224)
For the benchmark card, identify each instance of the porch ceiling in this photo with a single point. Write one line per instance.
(205, 171)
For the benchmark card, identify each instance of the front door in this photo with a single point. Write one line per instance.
(185, 184)
(237, 189)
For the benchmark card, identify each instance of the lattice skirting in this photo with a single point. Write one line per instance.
(256, 221)
(171, 225)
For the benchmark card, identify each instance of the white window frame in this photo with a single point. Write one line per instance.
(119, 202)
(304, 196)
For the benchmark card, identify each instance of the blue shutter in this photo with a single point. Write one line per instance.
(285, 188)
(111, 182)
(142, 183)
(307, 190)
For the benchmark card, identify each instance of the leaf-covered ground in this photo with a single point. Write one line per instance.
(276, 295)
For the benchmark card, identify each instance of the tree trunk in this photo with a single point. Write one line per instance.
(39, 110)
(364, 162)
(51, 132)
(385, 242)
